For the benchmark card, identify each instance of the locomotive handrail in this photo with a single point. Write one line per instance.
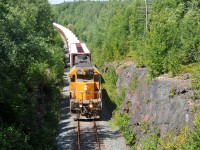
(91, 92)
(73, 91)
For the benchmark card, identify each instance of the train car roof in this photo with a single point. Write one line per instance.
(76, 48)
(81, 59)
(68, 36)
(72, 39)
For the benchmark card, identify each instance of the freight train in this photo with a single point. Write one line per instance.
(85, 80)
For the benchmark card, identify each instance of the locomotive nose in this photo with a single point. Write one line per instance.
(85, 90)
(85, 87)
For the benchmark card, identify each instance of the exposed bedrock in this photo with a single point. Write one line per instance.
(163, 104)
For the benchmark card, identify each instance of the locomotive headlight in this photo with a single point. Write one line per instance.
(90, 105)
(85, 87)
(80, 105)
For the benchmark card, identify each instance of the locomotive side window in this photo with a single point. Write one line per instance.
(96, 78)
(72, 77)
(89, 77)
(79, 76)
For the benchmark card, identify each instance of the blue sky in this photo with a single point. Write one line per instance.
(56, 1)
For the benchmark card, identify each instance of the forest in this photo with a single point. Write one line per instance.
(31, 57)
(31, 69)
(163, 38)
(117, 30)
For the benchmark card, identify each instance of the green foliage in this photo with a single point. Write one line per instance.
(122, 121)
(150, 142)
(189, 37)
(172, 91)
(166, 141)
(143, 126)
(110, 79)
(193, 140)
(136, 36)
(181, 138)
(12, 138)
(167, 45)
(162, 43)
(113, 30)
(57, 40)
(196, 81)
(31, 69)
(134, 83)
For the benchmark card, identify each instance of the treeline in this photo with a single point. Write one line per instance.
(31, 68)
(117, 30)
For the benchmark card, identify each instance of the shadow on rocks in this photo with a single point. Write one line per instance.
(107, 106)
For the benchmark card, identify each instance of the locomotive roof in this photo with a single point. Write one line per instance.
(85, 65)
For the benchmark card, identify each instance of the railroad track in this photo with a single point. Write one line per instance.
(87, 137)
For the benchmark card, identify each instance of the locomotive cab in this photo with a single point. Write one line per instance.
(85, 91)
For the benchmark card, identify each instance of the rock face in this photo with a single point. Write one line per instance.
(163, 104)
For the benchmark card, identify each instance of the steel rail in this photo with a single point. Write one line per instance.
(79, 131)
(96, 134)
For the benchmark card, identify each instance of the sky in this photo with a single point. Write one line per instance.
(56, 1)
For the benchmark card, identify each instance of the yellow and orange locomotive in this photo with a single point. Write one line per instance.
(85, 89)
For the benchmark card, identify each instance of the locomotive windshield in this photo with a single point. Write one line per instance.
(85, 74)
(85, 77)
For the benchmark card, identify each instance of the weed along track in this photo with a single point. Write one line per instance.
(87, 135)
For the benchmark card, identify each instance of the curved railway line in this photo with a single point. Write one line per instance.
(83, 134)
